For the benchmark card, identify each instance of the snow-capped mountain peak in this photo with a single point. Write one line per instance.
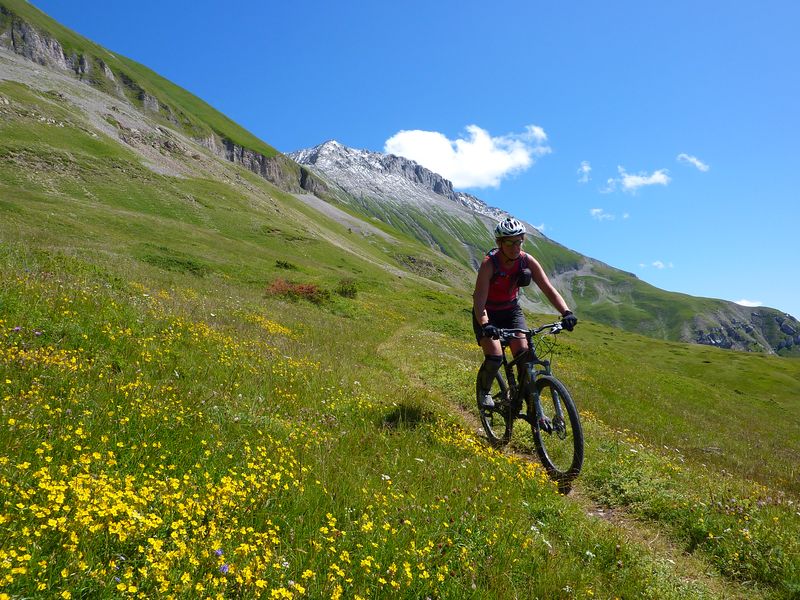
(389, 178)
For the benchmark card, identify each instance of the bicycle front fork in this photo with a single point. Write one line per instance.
(543, 421)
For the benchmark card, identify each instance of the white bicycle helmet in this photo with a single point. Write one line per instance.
(509, 227)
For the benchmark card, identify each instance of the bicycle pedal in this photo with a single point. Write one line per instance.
(546, 425)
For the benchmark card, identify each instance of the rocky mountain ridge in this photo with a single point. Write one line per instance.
(407, 196)
(391, 178)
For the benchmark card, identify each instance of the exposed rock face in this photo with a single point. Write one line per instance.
(730, 332)
(107, 72)
(25, 40)
(278, 170)
(272, 169)
(311, 183)
(150, 102)
(407, 196)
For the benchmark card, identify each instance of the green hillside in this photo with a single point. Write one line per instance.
(209, 389)
(178, 107)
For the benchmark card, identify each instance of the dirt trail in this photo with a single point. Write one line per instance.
(692, 568)
(688, 567)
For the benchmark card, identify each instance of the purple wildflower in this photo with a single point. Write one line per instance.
(218, 551)
(224, 569)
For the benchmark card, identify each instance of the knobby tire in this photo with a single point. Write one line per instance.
(497, 422)
(562, 458)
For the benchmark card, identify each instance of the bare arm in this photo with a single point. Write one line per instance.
(481, 292)
(540, 277)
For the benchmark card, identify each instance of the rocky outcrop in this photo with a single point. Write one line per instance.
(311, 183)
(332, 153)
(149, 102)
(268, 168)
(477, 205)
(278, 169)
(767, 329)
(23, 39)
(107, 72)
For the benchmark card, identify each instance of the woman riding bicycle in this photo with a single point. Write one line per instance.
(495, 301)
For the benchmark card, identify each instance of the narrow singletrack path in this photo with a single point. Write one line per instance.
(645, 535)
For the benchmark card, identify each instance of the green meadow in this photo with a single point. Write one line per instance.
(210, 390)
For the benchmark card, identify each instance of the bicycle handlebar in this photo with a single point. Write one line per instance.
(554, 328)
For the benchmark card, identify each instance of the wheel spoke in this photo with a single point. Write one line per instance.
(560, 446)
(497, 422)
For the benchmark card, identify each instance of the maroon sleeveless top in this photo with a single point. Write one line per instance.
(503, 288)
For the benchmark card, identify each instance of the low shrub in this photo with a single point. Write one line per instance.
(347, 288)
(304, 291)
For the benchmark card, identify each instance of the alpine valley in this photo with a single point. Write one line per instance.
(154, 118)
(230, 372)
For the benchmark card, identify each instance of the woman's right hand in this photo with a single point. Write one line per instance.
(491, 331)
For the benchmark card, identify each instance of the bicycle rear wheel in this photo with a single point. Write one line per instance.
(561, 448)
(497, 422)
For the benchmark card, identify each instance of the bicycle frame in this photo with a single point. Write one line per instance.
(528, 359)
(537, 388)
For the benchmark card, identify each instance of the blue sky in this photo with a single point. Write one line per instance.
(660, 138)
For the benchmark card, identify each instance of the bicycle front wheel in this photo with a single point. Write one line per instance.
(497, 422)
(558, 436)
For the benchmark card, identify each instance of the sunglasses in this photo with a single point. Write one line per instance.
(512, 243)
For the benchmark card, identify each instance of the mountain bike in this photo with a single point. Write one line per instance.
(549, 409)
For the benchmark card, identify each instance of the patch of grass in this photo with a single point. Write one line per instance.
(407, 416)
(287, 266)
(176, 263)
(748, 531)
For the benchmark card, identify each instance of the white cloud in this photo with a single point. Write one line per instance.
(539, 227)
(658, 264)
(693, 160)
(631, 183)
(750, 303)
(611, 185)
(477, 160)
(600, 214)
(584, 172)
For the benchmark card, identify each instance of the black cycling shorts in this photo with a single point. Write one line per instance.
(511, 318)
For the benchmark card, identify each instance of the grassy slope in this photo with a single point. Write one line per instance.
(154, 396)
(194, 116)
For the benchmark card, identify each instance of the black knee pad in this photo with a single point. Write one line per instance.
(491, 364)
